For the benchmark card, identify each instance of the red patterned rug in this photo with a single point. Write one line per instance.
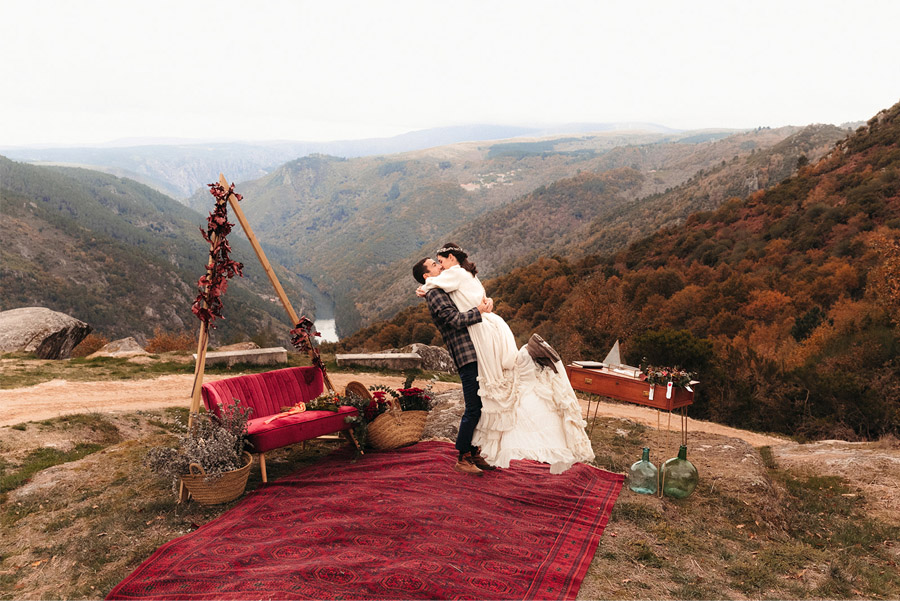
(393, 525)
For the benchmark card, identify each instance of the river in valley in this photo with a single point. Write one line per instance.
(325, 322)
(327, 330)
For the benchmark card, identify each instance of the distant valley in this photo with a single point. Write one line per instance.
(347, 229)
(355, 226)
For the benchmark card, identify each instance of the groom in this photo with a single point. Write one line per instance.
(453, 326)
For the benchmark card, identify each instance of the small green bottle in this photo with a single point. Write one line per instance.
(643, 477)
(679, 476)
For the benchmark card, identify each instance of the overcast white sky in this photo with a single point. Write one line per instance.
(91, 71)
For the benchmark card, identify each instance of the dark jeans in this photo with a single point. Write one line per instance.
(468, 375)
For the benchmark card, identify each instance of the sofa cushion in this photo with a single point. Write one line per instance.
(268, 392)
(294, 428)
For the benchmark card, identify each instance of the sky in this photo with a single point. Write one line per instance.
(95, 71)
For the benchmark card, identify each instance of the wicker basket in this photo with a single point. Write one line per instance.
(215, 490)
(359, 389)
(394, 428)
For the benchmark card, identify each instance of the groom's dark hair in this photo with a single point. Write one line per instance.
(419, 271)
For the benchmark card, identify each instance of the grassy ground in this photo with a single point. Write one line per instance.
(79, 511)
(72, 524)
(750, 530)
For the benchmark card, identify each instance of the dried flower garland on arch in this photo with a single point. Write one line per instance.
(221, 267)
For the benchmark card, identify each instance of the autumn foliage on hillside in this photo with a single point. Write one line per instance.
(787, 304)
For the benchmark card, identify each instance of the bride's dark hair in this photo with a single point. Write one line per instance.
(451, 248)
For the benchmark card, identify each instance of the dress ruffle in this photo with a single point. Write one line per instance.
(559, 459)
(544, 422)
(556, 390)
(499, 399)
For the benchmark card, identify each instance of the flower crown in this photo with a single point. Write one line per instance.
(449, 249)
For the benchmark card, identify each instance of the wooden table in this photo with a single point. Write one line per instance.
(624, 387)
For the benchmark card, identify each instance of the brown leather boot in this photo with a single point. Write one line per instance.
(467, 466)
(480, 462)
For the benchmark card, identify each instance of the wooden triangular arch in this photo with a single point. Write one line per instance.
(296, 321)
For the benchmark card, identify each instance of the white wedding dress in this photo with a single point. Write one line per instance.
(528, 411)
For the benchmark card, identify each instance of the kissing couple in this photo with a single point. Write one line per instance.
(519, 403)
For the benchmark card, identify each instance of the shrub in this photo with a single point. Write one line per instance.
(91, 344)
(165, 342)
(672, 347)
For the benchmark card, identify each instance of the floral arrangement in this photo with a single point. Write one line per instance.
(302, 335)
(664, 375)
(408, 398)
(415, 399)
(220, 268)
(215, 442)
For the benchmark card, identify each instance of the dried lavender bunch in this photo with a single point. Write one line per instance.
(215, 442)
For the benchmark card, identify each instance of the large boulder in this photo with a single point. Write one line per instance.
(434, 358)
(125, 347)
(443, 419)
(48, 334)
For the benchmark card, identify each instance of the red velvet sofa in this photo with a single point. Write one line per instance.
(267, 393)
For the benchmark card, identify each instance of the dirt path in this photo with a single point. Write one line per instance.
(652, 417)
(61, 397)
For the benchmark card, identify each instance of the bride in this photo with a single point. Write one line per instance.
(529, 411)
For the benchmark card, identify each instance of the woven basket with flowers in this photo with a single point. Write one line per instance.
(395, 418)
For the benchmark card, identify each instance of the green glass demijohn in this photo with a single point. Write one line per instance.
(679, 476)
(643, 477)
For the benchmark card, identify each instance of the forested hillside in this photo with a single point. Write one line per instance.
(707, 189)
(121, 257)
(786, 304)
(604, 211)
(341, 222)
(622, 200)
(353, 225)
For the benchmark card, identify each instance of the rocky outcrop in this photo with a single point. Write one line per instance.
(46, 333)
(125, 347)
(434, 358)
(443, 419)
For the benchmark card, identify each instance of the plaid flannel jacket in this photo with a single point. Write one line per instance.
(453, 326)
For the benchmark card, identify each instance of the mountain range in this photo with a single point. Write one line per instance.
(606, 209)
(355, 226)
(179, 168)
